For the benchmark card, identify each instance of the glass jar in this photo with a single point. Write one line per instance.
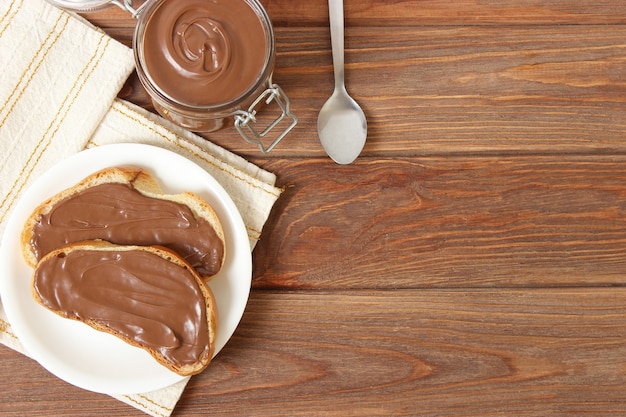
(207, 62)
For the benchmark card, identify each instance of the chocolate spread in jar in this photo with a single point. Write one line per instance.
(120, 214)
(204, 53)
(140, 296)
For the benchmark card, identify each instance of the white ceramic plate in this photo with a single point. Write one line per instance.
(75, 352)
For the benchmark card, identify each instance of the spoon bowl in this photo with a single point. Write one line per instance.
(342, 127)
(341, 124)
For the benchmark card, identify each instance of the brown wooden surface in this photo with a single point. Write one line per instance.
(470, 263)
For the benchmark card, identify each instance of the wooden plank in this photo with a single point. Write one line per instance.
(451, 221)
(447, 353)
(428, 91)
(30, 390)
(442, 13)
(419, 12)
(428, 352)
(497, 90)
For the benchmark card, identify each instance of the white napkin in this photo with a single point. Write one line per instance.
(58, 85)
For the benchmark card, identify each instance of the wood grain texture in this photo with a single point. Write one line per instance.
(443, 13)
(433, 90)
(453, 221)
(467, 89)
(421, 12)
(424, 353)
(401, 353)
(470, 263)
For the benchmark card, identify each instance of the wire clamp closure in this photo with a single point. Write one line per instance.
(245, 120)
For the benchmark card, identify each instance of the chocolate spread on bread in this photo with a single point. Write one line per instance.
(143, 298)
(120, 214)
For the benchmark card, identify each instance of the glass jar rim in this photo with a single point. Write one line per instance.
(153, 88)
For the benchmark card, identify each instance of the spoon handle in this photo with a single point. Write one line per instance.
(335, 10)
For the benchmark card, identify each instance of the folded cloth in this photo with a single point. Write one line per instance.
(59, 77)
(58, 86)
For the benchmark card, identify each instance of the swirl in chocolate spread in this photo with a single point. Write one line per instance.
(204, 53)
(139, 295)
(201, 46)
(120, 214)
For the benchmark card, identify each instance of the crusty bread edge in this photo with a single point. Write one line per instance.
(142, 181)
(168, 255)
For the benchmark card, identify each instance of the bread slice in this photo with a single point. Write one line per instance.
(147, 296)
(207, 261)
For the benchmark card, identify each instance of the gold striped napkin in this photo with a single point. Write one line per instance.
(58, 85)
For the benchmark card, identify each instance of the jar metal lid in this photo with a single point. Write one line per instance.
(93, 5)
(81, 5)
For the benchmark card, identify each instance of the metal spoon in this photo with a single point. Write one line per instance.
(341, 124)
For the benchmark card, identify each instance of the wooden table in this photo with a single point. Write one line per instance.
(470, 263)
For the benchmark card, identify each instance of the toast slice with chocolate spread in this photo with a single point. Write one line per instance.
(147, 296)
(125, 206)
